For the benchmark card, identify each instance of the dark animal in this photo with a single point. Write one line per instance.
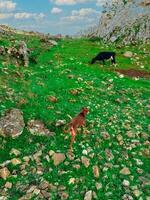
(102, 56)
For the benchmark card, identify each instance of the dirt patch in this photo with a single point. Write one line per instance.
(133, 73)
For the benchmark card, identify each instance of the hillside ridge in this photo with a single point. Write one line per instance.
(123, 22)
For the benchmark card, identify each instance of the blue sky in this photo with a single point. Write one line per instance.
(51, 16)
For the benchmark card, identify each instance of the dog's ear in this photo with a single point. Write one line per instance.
(84, 109)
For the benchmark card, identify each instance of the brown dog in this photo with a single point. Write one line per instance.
(76, 122)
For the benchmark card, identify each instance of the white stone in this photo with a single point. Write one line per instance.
(125, 183)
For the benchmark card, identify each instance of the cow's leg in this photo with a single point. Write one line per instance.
(113, 60)
(93, 60)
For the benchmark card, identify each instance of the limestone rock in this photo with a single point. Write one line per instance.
(43, 185)
(125, 171)
(53, 42)
(109, 155)
(72, 181)
(16, 161)
(130, 134)
(4, 173)
(85, 161)
(137, 193)
(106, 135)
(15, 152)
(63, 195)
(58, 158)
(46, 194)
(53, 99)
(126, 183)
(26, 159)
(88, 195)
(127, 197)
(8, 185)
(37, 127)
(96, 171)
(60, 123)
(23, 53)
(128, 54)
(98, 186)
(36, 191)
(12, 124)
(51, 152)
(84, 152)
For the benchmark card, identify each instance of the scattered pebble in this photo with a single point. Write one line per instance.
(98, 186)
(4, 173)
(88, 195)
(15, 152)
(125, 171)
(60, 123)
(84, 152)
(58, 158)
(72, 181)
(127, 197)
(96, 171)
(8, 185)
(51, 152)
(26, 158)
(126, 183)
(106, 135)
(137, 193)
(16, 161)
(85, 161)
(53, 99)
(36, 191)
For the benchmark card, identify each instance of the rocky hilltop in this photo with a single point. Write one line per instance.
(127, 21)
(4, 29)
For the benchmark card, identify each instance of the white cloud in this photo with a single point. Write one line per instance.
(84, 12)
(25, 15)
(6, 15)
(86, 15)
(22, 15)
(7, 11)
(7, 5)
(69, 2)
(56, 10)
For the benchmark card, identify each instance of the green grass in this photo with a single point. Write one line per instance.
(99, 90)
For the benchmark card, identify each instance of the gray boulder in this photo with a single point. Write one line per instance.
(23, 52)
(37, 127)
(12, 124)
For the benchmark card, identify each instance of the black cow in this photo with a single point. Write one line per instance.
(102, 56)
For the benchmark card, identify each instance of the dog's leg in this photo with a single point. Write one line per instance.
(73, 134)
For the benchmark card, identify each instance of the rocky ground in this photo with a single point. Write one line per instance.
(111, 156)
(124, 21)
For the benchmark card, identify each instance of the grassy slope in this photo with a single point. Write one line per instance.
(99, 92)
